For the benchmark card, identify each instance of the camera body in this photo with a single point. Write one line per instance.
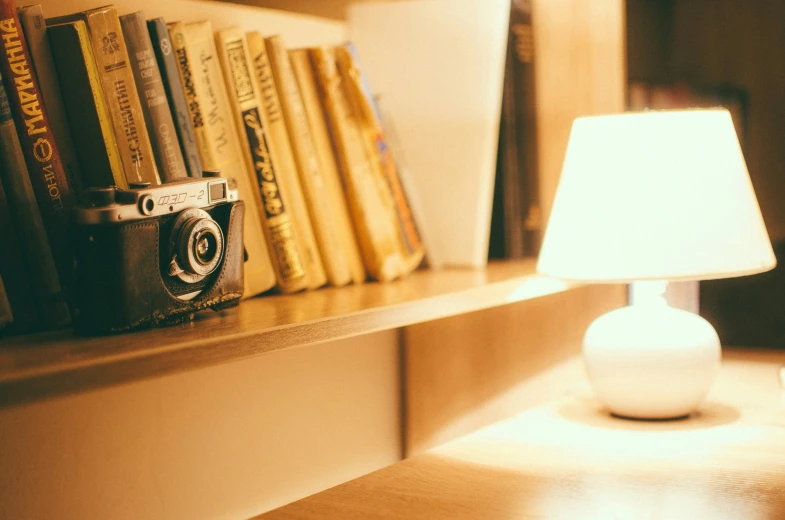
(153, 255)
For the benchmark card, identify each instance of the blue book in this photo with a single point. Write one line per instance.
(162, 45)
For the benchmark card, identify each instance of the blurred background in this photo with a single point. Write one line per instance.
(724, 52)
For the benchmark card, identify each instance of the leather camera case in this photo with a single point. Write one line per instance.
(119, 286)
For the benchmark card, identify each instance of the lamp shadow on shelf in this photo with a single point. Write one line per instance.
(588, 411)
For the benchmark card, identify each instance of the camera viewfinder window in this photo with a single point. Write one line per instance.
(217, 192)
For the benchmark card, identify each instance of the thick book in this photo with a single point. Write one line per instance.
(155, 106)
(42, 157)
(274, 66)
(85, 104)
(334, 195)
(167, 67)
(506, 238)
(224, 150)
(302, 176)
(26, 219)
(283, 236)
(119, 87)
(14, 272)
(524, 96)
(32, 19)
(380, 152)
(369, 200)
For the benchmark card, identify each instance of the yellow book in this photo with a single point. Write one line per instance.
(119, 88)
(333, 191)
(225, 149)
(85, 105)
(275, 206)
(369, 198)
(378, 148)
(177, 37)
(301, 178)
(290, 133)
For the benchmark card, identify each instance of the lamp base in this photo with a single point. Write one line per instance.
(650, 360)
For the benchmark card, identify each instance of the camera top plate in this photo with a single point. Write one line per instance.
(114, 205)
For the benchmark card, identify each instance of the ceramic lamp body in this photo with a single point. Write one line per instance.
(650, 360)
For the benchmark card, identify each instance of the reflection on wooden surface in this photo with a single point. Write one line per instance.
(571, 460)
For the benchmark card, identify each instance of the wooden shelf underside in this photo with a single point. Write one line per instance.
(57, 363)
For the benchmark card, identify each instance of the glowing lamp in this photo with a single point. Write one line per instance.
(649, 198)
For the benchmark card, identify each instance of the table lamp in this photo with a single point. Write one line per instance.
(649, 198)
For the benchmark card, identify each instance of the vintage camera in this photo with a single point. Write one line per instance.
(152, 255)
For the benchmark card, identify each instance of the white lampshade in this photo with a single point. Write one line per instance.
(655, 195)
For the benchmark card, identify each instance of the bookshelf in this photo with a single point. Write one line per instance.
(56, 363)
(185, 403)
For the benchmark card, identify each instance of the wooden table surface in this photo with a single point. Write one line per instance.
(570, 460)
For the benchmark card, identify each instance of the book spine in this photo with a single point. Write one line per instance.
(282, 235)
(308, 186)
(184, 71)
(361, 99)
(342, 223)
(49, 181)
(226, 151)
(6, 315)
(371, 210)
(26, 218)
(155, 106)
(507, 218)
(167, 66)
(32, 19)
(522, 36)
(14, 272)
(117, 81)
(405, 176)
(83, 98)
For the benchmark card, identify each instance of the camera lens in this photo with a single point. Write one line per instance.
(200, 245)
(205, 246)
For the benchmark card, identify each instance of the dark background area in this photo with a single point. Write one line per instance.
(738, 44)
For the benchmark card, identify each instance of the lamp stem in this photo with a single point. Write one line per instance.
(648, 292)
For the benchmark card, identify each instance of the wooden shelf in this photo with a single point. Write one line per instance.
(49, 364)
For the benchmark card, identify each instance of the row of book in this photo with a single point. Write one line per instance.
(95, 99)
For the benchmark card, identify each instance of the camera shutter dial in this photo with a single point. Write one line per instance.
(100, 197)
